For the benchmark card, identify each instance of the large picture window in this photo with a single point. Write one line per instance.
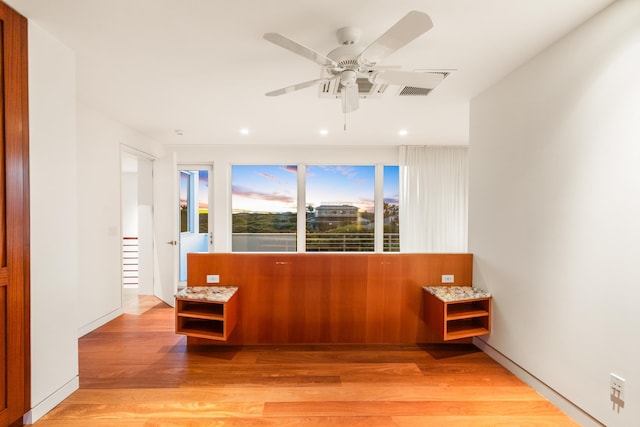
(264, 208)
(340, 208)
(338, 213)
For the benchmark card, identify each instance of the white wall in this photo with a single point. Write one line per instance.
(54, 261)
(554, 212)
(75, 219)
(99, 216)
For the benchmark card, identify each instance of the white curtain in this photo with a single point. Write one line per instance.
(433, 199)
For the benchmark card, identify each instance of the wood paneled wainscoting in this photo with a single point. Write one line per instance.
(329, 298)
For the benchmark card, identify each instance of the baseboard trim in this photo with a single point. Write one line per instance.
(565, 405)
(84, 330)
(51, 401)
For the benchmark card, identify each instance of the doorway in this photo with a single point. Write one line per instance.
(194, 219)
(137, 231)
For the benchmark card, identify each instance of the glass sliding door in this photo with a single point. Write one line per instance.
(194, 233)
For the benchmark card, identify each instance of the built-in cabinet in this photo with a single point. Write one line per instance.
(297, 298)
(456, 312)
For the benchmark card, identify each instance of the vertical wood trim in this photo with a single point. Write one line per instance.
(16, 136)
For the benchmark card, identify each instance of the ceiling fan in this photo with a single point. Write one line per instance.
(350, 62)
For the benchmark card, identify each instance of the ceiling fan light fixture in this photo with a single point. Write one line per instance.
(347, 65)
(348, 78)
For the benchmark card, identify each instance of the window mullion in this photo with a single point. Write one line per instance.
(378, 219)
(302, 210)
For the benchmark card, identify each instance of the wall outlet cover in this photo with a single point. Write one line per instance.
(447, 278)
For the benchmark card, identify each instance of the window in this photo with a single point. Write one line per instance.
(391, 200)
(264, 208)
(340, 208)
(338, 213)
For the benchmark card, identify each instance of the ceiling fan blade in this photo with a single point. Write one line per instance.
(411, 26)
(295, 87)
(407, 78)
(350, 98)
(299, 49)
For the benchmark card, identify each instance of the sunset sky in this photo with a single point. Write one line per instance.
(260, 188)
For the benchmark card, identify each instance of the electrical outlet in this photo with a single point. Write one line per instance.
(213, 278)
(617, 387)
(447, 278)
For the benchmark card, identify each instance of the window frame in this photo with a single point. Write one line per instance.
(301, 230)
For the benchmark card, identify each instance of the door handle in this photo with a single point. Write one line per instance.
(172, 242)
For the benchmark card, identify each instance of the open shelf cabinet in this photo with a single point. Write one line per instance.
(452, 320)
(212, 320)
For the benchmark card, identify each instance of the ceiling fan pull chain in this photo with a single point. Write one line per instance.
(345, 122)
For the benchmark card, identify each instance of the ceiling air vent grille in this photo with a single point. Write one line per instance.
(418, 91)
(414, 91)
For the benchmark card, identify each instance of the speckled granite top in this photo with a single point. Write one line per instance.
(456, 293)
(208, 293)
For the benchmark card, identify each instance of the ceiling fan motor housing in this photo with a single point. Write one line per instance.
(346, 56)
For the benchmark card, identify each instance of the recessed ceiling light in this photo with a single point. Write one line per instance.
(324, 132)
(244, 131)
(402, 132)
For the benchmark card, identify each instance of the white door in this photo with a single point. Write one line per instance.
(194, 218)
(165, 200)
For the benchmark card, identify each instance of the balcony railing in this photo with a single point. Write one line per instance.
(315, 242)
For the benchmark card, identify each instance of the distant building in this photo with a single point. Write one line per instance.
(337, 213)
(325, 216)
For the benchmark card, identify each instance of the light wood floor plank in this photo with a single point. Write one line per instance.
(135, 371)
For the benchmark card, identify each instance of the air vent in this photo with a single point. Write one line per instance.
(419, 91)
(414, 91)
(366, 89)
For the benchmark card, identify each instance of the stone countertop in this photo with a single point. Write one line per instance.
(456, 293)
(208, 293)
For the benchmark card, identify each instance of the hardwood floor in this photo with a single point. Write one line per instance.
(134, 371)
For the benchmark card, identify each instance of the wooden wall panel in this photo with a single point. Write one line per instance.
(329, 298)
(14, 219)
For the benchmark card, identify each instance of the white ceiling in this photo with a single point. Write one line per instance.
(202, 66)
